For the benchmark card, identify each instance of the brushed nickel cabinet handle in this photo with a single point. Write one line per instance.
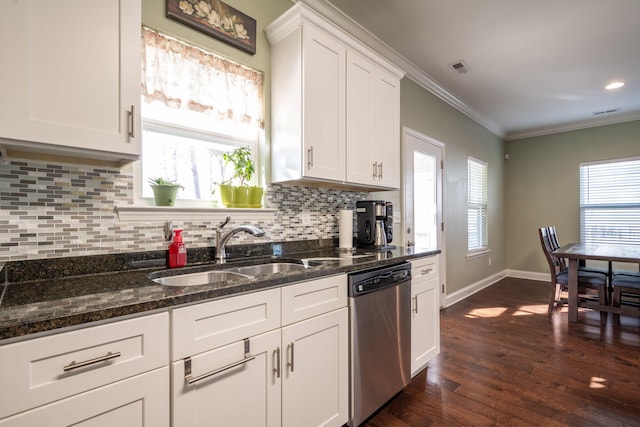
(132, 122)
(375, 170)
(276, 369)
(415, 305)
(75, 365)
(190, 379)
(380, 171)
(290, 364)
(310, 157)
(426, 271)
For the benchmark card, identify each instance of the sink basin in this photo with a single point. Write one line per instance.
(201, 278)
(269, 268)
(228, 274)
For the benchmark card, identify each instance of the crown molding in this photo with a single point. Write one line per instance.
(582, 124)
(414, 73)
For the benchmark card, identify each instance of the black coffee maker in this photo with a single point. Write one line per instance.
(375, 224)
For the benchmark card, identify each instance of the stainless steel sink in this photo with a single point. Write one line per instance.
(227, 274)
(201, 278)
(269, 268)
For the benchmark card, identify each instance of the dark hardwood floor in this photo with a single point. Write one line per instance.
(503, 361)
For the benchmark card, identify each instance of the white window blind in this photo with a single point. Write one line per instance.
(610, 202)
(477, 205)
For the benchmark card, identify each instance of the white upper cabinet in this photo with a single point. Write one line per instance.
(70, 78)
(335, 105)
(373, 113)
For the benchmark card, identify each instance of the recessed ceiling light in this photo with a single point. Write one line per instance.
(614, 85)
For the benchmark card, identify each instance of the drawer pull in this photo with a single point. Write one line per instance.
(426, 271)
(75, 365)
(190, 379)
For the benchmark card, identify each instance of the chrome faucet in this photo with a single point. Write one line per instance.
(222, 240)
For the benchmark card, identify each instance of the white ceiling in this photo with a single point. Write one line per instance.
(536, 66)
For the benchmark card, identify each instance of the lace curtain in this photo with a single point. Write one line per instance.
(185, 77)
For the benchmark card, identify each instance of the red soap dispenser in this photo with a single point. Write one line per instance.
(177, 250)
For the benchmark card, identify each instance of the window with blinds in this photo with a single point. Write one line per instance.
(477, 205)
(610, 202)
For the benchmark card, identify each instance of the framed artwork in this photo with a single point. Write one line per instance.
(216, 19)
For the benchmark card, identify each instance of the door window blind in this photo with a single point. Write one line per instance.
(477, 205)
(610, 202)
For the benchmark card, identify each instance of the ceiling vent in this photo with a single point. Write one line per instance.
(460, 66)
(605, 112)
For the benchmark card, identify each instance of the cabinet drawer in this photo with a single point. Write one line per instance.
(46, 369)
(308, 299)
(139, 401)
(424, 268)
(209, 325)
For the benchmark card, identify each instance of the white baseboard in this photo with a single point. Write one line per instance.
(531, 275)
(461, 294)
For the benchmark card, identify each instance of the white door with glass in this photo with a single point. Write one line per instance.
(423, 223)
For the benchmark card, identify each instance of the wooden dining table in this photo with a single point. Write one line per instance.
(575, 252)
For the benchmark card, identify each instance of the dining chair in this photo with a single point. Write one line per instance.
(625, 285)
(587, 280)
(553, 236)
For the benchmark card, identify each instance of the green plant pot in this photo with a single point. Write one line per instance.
(233, 196)
(255, 196)
(165, 195)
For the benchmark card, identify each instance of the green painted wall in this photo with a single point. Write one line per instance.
(422, 111)
(542, 185)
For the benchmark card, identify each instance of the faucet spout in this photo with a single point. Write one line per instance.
(222, 240)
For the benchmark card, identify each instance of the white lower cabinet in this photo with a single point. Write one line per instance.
(106, 375)
(425, 312)
(246, 394)
(315, 371)
(294, 375)
(134, 402)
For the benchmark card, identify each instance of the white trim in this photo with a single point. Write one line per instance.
(477, 254)
(529, 275)
(461, 294)
(165, 213)
(583, 124)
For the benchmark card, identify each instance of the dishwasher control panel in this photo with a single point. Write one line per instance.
(369, 281)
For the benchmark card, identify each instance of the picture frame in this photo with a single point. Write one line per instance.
(216, 19)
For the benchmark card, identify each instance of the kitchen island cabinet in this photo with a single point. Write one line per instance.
(335, 106)
(70, 81)
(425, 312)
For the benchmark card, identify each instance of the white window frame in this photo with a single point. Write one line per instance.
(610, 201)
(478, 203)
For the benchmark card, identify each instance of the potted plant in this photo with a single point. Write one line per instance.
(236, 192)
(164, 191)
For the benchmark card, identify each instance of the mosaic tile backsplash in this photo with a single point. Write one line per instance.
(62, 210)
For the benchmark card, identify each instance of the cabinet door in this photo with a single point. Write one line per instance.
(71, 75)
(323, 102)
(361, 76)
(140, 401)
(386, 129)
(247, 394)
(425, 323)
(315, 371)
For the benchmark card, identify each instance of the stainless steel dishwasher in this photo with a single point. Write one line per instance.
(380, 337)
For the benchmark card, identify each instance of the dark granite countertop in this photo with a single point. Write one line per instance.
(46, 304)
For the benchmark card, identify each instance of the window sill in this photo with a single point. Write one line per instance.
(165, 213)
(478, 254)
